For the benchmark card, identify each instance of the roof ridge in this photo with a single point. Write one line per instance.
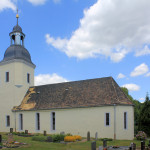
(71, 81)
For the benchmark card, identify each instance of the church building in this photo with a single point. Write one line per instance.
(95, 105)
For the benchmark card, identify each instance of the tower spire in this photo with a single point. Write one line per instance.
(17, 16)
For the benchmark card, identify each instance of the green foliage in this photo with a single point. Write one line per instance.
(36, 145)
(15, 133)
(145, 116)
(137, 110)
(141, 135)
(55, 138)
(39, 138)
(106, 139)
(125, 90)
(58, 137)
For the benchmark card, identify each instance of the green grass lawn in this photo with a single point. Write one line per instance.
(35, 145)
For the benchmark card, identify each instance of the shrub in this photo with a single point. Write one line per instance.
(141, 135)
(49, 139)
(69, 139)
(1, 144)
(106, 139)
(58, 137)
(15, 133)
(39, 138)
(77, 137)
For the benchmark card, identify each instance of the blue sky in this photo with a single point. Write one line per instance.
(73, 40)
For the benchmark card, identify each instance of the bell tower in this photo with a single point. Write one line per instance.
(16, 76)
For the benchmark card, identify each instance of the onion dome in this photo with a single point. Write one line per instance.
(17, 28)
(17, 52)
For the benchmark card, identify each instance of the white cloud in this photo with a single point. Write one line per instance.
(139, 70)
(43, 79)
(131, 87)
(58, 43)
(37, 2)
(144, 51)
(148, 74)
(109, 28)
(120, 76)
(7, 4)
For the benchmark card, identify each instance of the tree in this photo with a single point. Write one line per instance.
(125, 90)
(145, 116)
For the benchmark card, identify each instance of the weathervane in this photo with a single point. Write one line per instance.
(17, 16)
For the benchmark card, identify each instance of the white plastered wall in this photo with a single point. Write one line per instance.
(12, 92)
(120, 131)
(79, 121)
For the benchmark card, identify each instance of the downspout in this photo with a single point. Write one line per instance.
(15, 121)
(114, 121)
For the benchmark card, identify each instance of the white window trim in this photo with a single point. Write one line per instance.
(126, 120)
(19, 117)
(105, 119)
(51, 121)
(36, 123)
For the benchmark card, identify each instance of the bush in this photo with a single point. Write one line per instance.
(49, 139)
(141, 135)
(58, 137)
(77, 137)
(15, 133)
(39, 138)
(69, 139)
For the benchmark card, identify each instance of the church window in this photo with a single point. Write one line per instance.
(7, 76)
(20, 121)
(7, 121)
(53, 120)
(37, 121)
(28, 78)
(125, 120)
(107, 119)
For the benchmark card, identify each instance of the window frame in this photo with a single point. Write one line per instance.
(125, 120)
(7, 120)
(7, 76)
(21, 122)
(107, 119)
(37, 121)
(53, 121)
(28, 77)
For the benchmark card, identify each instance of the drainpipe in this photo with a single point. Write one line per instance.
(114, 121)
(15, 121)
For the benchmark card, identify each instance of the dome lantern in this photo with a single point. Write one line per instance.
(17, 36)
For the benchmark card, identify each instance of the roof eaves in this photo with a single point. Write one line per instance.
(105, 105)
